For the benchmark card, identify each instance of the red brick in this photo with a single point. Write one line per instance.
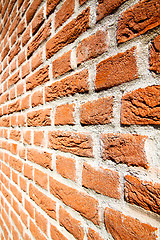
(24, 218)
(5, 75)
(39, 139)
(14, 24)
(62, 64)
(92, 47)
(41, 178)
(64, 114)
(38, 20)
(20, 88)
(71, 224)
(82, 1)
(40, 117)
(39, 38)
(36, 232)
(77, 83)
(141, 106)
(16, 193)
(13, 65)
(5, 51)
(51, 4)
(32, 10)
(21, 57)
(154, 59)
(116, 70)
(97, 112)
(41, 221)
(27, 137)
(37, 98)
(16, 164)
(106, 7)
(37, 78)
(25, 69)
(76, 143)
(23, 183)
(56, 234)
(37, 59)
(29, 208)
(21, 27)
(15, 135)
(44, 159)
(125, 148)
(14, 51)
(142, 193)
(14, 79)
(13, 38)
(101, 180)
(28, 171)
(68, 34)
(138, 19)
(46, 203)
(81, 202)
(92, 235)
(64, 13)
(17, 222)
(25, 102)
(126, 228)
(26, 36)
(66, 167)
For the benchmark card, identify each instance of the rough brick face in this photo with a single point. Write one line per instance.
(142, 193)
(141, 106)
(96, 112)
(116, 70)
(64, 115)
(130, 228)
(79, 201)
(124, 148)
(103, 181)
(76, 143)
(68, 34)
(71, 224)
(79, 116)
(154, 59)
(92, 46)
(138, 19)
(76, 83)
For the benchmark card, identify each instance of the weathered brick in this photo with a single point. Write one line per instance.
(51, 4)
(38, 20)
(36, 232)
(68, 34)
(43, 159)
(41, 178)
(81, 202)
(15, 135)
(71, 224)
(64, 13)
(101, 180)
(56, 234)
(27, 137)
(66, 167)
(62, 64)
(154, 59)
(97, 112)
(14, 79)
(141, 106)
(92, 235)
(46, 203)
(116, 70)
(92, 47)
(41, 222)
(37, 98)
(5, 51)
(39, 38)
(77, 83)
(142, 193)
(106, 7)
(14, 51)
(125, 148)
(37, 78)
(37, 59)
(124, 227)
(39, 139)
(64, 114)
(138, 19)
(32, 10)
(76, 143)
(21, 58)
(26, 36)
(39, 118)
(25, 69)
(21, 27)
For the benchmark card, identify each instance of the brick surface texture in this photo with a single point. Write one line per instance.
(79, 119)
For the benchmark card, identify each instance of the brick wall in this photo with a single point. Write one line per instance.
(79, 119)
